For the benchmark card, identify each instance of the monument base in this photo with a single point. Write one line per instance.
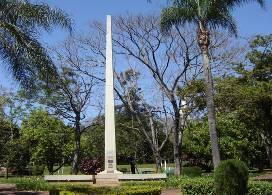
(108, 177)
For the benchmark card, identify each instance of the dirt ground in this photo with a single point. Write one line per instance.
(265, 177)
(171, 192)
(9, 189)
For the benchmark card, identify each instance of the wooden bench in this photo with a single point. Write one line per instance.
(146, 170)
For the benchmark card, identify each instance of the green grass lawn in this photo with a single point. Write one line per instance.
(66, 170)
(145, 165)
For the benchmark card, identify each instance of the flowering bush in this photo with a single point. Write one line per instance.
(91, 167)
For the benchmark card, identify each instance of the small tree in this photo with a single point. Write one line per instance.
(48, 139)
(70, 92)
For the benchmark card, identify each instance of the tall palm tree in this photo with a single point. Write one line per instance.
(206, 15)
(20, 25)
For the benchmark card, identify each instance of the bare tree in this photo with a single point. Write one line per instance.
(70, 93)
(146, 115)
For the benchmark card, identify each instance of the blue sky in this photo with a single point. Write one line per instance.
(251, 19)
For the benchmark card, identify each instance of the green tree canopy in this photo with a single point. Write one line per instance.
(49, 140)
(244, 109)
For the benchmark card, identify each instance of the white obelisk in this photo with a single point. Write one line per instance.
(110, 143)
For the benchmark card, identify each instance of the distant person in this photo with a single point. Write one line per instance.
(132, 165)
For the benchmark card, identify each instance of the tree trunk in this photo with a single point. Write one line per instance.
(269, 154)
(76, 157)
(203, 42)
(157, 157)
(50, 167)
(177, 145)
(211, 110)
(156, 151)
(7, 173)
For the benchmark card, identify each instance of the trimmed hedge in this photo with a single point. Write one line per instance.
(130, 188)
(205, 186)
(159, 183)
(135, 190)
(197, 186)
(139, 190)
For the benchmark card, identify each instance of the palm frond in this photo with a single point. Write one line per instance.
(173, 16)
(20, 23)
(42, 15)
(27, 59)
(29, 15)
(182, 3)
(223, 20)
(231, 4)
(215, 13)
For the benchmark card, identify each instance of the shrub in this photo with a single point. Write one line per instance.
(159, 183)
(32, 184)
(198, 186)
(91, 167)
(191, 171)
(173, 182)
(231, 177)
(260, 188)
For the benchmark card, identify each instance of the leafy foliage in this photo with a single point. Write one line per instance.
(129, 142)
(191, 171)
(48, 139)
(259, 188)
(243, 103)
(234, 139)
(248, 95)
(231, 177)
(197, 186)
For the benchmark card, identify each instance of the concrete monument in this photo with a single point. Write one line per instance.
(110, 173)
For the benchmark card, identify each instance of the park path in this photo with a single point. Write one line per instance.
(171, 192)
(10, 189)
